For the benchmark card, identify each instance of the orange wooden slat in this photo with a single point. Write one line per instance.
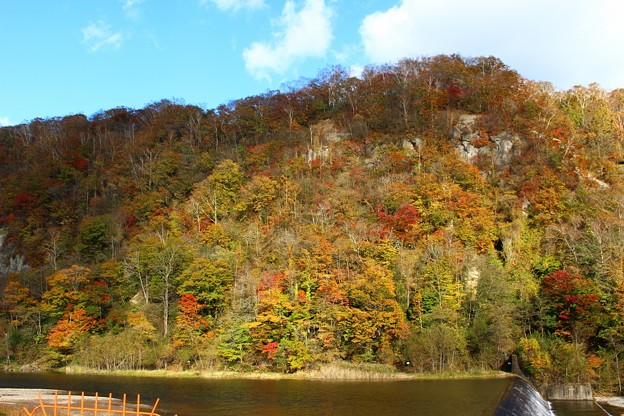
(95, 407)
(82, 408)
(154, 408)
(42, 406)
(110, 403)
(68, 404)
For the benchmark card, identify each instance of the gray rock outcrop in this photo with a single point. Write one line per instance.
(470, 143)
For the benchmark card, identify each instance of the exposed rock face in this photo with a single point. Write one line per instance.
(472, 280)
(466, 147)
(320, 152)
(326, 131)
(412, 145)
(504, 145)
(322, 136)
(9, 263)
(472, 143)
(465, 125)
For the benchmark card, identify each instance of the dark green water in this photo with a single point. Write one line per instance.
(199, 397)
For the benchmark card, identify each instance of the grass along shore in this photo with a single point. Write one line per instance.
(332, 371)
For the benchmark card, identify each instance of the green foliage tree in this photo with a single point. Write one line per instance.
(210, 282)
(491, 328)
(154, 264)
(94, 237)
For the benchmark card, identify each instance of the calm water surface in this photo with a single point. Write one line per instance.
(199, 397)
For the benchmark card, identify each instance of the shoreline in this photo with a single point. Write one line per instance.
(12, 400)
(613, 401)
(16, 399)
(337, 372)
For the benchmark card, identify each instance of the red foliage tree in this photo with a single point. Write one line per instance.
(576, 302)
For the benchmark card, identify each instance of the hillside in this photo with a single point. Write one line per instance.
(443, 210)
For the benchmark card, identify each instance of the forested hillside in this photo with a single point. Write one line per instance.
(443, 210)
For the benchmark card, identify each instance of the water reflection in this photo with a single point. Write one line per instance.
(199, 397)
(581, 408)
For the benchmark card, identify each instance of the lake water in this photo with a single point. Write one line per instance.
(199, 397)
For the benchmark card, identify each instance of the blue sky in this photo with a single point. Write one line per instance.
(66, 57)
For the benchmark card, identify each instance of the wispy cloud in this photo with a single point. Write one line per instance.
(4, 121)
(153, 39)
(301, 34)
(234, 5)
(99, 35)
(128, 4)
(130, 8)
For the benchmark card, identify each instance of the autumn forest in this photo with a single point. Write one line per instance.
(443, 210)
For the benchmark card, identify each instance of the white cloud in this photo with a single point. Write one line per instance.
(303, 33)
(564, 41)
(130, 8)
(128, 4)
(4, 121)
(99, 35)
(234, 5)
